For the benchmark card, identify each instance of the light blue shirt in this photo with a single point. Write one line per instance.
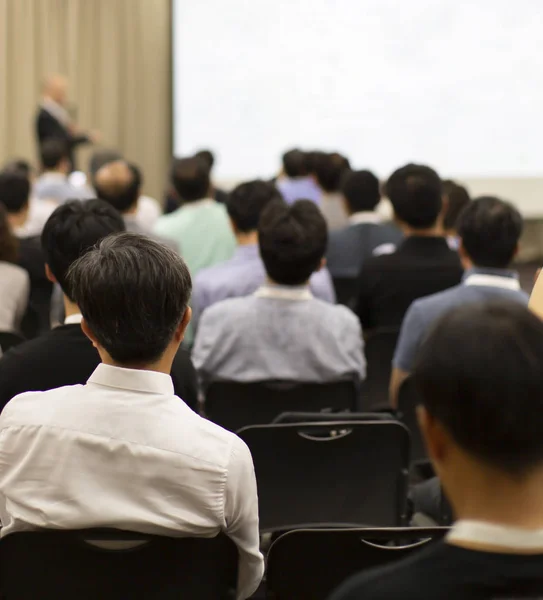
(299, 188)
(241, 276)
(55, 186)
(478, 285)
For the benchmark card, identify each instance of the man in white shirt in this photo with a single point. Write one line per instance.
(123, 451)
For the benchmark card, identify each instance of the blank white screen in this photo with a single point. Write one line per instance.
(458, 85)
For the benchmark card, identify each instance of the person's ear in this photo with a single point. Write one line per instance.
(517, 250)
(233, 225)
(49, 274)
(322, 264)
(465, 259)
(182, 327)
(88, 332)
(435, 437)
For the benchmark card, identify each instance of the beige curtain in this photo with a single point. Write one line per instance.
(116, 54)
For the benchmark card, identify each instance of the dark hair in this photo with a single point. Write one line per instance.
(329, 169)
(19, 165)
(415, 194)
(9, 244)
(190, 178)
(480, 374)
(121, 194)
(246, 202)
(361, 190)
(490, 230)
(101, 158)
(457, 199)
(14, 190)
(74, 228)
(52, 153)
(295, 163)
(133, 293)
(207, 156)
(292, 240)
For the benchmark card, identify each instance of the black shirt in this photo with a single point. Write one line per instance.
(388, 284)
(65, 356)
(446, 572)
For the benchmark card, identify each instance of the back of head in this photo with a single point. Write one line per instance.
(361, 191)
(490, 231)
(480, 375)
(457, 199)
(20, 165)
(55, 86)
(118, 184)
(295, 163)
(14, 190)
(190, 178)
(206, 156)
(52, 154)
(133, 293)
(72, 230)
(292, 241)
(100, 158)
(9, 244)
(415, 194)
(246, 202)
(330, 169)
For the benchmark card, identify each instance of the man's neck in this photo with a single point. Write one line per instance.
(17, 220)
(70, 308)
(435, 231)
(247, 239)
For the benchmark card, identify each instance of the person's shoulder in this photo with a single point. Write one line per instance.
(221, 312)
(440, 299)
(336, 312)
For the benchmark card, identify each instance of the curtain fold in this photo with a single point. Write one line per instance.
(116, 54)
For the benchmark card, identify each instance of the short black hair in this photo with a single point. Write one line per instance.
(480, 374)
(100, 158)
(292, 240)
(74, 228)
(207, 156)
(490, 231)
(330, 169)
(415, 193)
(246, 202)
(14, 190)
(133, 293)
(190, 178)
(457, 199)
(295, 163)
(123, 195)
(52, 153)
(362, 190)
(19, 165)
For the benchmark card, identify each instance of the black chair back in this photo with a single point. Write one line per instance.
(379, 351)
(346, 289)
(407, 413)
(306, 417)
(340, 473)
(8, 339)
(234, 405)
(49, 565)
(309, 564)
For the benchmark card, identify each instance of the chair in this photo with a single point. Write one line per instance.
(407, 413)
(48, 565)
(346, 289)
(306, 417)
(341, 473)
(8, 339)
(234, 405)
(309, 564)
(379, 351)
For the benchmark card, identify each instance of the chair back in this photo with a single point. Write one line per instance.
(346, 289)
(342, 473)
(379, 351)
(84, 564)
(8, 339)
(234, 405)
(321, 417)
(309, 564)
(407, 413)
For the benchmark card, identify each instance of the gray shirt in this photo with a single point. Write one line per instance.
(14, 291)
(279, 333)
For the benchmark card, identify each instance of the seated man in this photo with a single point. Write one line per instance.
(456, 198)
(295, 181)
(123, 450)
(64, 355)
(422, 264)
(350, 247)
(281, 331)
(480, 378)
(244, 273)
(489, 231)
(329, 170)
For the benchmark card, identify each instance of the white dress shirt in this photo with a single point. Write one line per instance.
(123, 451)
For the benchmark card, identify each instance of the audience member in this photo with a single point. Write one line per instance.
(119, 184)
(208, 157)
(14, 281)
(200, 226)
(295, 181)
(480, 378)
(125, 438)
(329, 171)
(350, 247)
(457, 198)
(423, 263)
(64, 355)
(282, 332)
(53, 183)
(244, 273)
(489, 231)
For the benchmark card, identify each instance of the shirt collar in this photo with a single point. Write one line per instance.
(365, 216)
(53, 176)
(197, 203)
(493, 534)
(73, 319)
(284, 292)
(247, 251)
(501, 278)
(135, 380)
